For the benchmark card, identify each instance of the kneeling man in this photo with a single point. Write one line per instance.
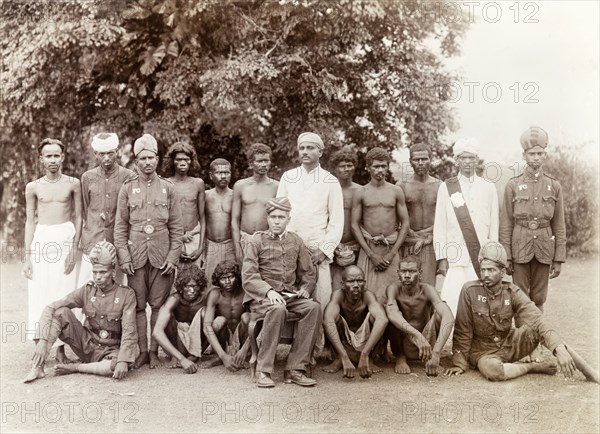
(106, 343)
(483, 333)
(354, 322)
(420, 322)
(178, 328)
(279, 277)
(225, 321)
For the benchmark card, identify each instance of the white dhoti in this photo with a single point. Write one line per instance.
(359, 338)
(456, 277)
(50, 249)
(190, 335)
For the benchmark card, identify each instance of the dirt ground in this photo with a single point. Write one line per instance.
(167, 400)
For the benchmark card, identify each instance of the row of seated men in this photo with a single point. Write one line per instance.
(277, 281)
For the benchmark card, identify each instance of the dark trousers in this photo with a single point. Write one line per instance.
(305, 331)
(532, 278)
(152, 288)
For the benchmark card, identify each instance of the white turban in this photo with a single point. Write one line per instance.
(145, 143)
(466, 145)
(311, 138)
(105, 142)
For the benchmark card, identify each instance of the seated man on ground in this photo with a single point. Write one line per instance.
(107, 342)
(420, 321)
(354, 323)
(225, 321)
(279, 277)
(178, 327)
(483, 333)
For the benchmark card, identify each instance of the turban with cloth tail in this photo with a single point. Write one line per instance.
(311, 138)
(103, 253)
(145, 143)
(105, 142)
(282, 203)
(466, 145)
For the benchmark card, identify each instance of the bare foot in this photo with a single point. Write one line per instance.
(141, 360)
(210, 363)
(401, 366)
(35, 373)
(387, 357)
(376, 368)
(548, 368)
(335, 366)
(65, 369)
(154, 360)
(61, 357)
(326, 354)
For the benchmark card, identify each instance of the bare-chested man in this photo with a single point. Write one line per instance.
(225, 319)
(355, 323)
(250, 196)
(178, 327)
(219, 201)
(343, 163)
(420, 192)
(420, 322)
(51, 236)
(380, 224)
(181, 165)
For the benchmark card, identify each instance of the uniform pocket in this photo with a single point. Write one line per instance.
(521, 207)
(549, 202)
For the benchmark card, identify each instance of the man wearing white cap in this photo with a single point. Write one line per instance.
(99, 191)
(317, 212)
(148, 237)
(466, 215)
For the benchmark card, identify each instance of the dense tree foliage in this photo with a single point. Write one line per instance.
(221, 74)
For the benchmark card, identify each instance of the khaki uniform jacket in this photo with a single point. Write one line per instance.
(530, 198)
(154, 205)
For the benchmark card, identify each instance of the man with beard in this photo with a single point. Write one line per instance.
(380, 224)
(51, 238)
(225, 320)
(420, 322)
(148, 232)
(466, 215)
(355, 323)
(99, 191)
(420, 192)
(178, 328)
(343, 163)
(181, 163)
(107, 341)
(484, 336)
(250, 196)
(219, 201)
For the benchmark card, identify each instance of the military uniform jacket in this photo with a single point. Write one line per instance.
(110, 313)
(531, 201)
(274, 262)
(483, 322)
(100, 192)
(148, 224)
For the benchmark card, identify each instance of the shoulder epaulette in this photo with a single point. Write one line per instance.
(135, 177)
(471, 283)
(549, 176)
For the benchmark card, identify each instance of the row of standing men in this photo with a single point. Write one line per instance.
(156, 222)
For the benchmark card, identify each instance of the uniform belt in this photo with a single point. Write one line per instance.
(106, 334)
(143, 228)
(533, 224)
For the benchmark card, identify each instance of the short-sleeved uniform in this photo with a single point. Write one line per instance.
(532, 230)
